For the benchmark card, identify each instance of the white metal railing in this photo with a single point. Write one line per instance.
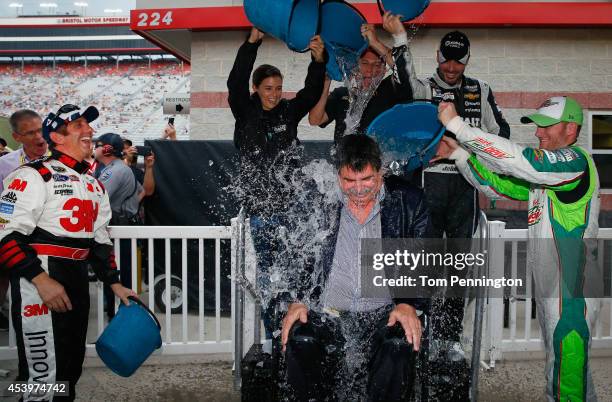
(182, 333)
(526, 337)
(185, 332)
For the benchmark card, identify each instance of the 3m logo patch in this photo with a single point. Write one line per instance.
(33, 310)
(482, 145)
(18, 185)
(84, 214)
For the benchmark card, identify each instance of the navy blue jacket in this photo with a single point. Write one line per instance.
(403, 214)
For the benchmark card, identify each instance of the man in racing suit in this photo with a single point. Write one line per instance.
(451, 200)
(56, 224)
(560, 181)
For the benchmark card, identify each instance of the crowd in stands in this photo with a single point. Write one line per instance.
(129, 96)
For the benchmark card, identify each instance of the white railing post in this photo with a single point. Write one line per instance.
(495, 311)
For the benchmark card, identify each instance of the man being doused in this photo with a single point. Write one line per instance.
(339, 344)
(358, 107)
(265, 134)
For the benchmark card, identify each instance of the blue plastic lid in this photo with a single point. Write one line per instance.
(341, 32)
(408, 9)
(294, 22)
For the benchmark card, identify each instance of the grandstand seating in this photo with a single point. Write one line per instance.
(129, 97)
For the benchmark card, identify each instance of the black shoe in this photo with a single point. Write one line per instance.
(4, 323)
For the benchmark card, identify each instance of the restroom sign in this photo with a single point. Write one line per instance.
(177, 104)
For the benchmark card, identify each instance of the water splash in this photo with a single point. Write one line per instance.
(288, 204)
(360, 89)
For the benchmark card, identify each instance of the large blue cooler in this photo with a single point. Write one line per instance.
(129, 339)
(408, 133)
(341, 33)
(294, 22)
(408, 9)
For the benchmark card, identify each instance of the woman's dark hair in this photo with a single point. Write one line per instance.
(357, 151)
(265, 71)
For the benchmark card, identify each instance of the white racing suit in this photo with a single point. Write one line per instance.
(562, 188)
(53, 218)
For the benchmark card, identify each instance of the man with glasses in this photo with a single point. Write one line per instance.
(27, 130)
(55, 226)
(383, 93)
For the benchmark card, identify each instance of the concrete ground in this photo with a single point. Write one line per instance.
(183, 381)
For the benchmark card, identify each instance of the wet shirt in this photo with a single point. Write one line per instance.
(343, 289)
(122, 187)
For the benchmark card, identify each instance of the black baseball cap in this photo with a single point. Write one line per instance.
(114, 140)
(454, 46)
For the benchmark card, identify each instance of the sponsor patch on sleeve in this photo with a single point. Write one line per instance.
(106, 175)
(561, 155)
(487, 147)
(6, 209)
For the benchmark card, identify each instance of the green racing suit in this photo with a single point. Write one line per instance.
(562, 188)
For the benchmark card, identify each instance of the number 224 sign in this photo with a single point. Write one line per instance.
(154, 19)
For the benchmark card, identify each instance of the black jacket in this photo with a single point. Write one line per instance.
(403, 214)
(260, 134)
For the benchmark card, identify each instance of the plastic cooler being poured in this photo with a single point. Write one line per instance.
(341, 31)
(294, 22)
(408, 134)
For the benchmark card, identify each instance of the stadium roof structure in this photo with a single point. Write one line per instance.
(71, 36)
(170, 28)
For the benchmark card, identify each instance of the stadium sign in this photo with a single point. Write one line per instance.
(64, 21)
(177, 104)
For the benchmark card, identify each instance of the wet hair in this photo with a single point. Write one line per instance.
(370, 49)
(265, 71)
(21, 115)
(357, 151)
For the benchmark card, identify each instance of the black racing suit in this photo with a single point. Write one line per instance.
(53, 219)
(452, 201)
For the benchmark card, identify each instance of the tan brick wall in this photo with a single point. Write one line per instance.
(512, 60)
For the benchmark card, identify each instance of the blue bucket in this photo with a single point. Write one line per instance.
(341, 32)
(294, 22)
(129, 339)
(408, 9)
(408, 133)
